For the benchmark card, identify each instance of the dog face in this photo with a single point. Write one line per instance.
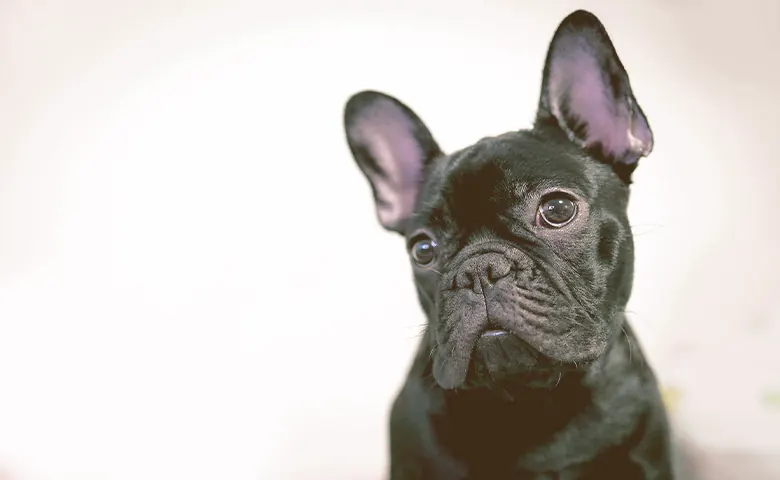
(520, 245)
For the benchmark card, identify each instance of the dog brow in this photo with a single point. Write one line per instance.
(521, 190)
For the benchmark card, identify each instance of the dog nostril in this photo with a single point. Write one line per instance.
(498, 270)
(465, 279)
(483, 270)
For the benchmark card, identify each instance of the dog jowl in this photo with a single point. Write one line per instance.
(523, 261)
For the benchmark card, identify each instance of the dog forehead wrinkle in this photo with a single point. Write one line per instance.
(525, 161)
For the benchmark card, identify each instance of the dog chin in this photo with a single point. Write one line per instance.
(535, 379)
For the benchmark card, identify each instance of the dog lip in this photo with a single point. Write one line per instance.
(494, 332)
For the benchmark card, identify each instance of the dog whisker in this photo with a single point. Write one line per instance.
(643, 229)
(499, 385)
(630, 348)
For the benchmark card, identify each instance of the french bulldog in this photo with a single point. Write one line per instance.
(522, 256)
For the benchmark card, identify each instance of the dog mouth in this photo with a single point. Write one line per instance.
(491, 354)
(499, 355)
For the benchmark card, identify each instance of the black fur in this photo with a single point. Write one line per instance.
(528, 368)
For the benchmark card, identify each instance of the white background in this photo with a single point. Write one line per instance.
(192, 281)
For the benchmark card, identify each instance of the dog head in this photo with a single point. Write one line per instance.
(520, 245)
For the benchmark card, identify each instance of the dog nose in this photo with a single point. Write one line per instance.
(483, 270)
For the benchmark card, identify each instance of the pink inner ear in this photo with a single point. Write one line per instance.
(576, 77)
(388, 135)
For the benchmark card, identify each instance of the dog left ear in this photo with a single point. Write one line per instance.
(586, 93)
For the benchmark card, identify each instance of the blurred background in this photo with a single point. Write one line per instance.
(192, 281)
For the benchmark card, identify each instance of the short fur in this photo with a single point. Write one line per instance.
(528, 368)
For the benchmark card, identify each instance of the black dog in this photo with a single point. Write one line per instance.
(523, 260)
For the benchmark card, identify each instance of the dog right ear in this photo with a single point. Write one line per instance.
(392, 147)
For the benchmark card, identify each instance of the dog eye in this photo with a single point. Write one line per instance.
(557, 211)
(423, 251)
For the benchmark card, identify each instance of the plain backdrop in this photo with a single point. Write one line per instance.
(192, 281)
